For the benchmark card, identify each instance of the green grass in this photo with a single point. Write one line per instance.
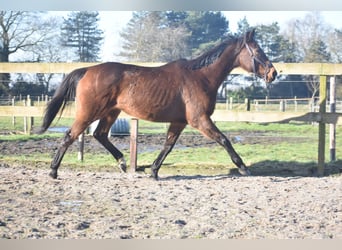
(295, 158)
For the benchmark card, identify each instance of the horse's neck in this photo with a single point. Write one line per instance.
(218, 71)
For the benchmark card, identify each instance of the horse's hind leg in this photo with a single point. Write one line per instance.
(173, 133)
(208, 128)
(101, 134)
(70, 136)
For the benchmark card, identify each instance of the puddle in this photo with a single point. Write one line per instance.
(73, 204)
(58, 129)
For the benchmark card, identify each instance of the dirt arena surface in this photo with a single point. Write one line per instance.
(103, 204)
(134, 206)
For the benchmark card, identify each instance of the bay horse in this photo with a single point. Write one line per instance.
(180, 92)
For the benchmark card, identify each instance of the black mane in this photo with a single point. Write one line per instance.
(210, 56)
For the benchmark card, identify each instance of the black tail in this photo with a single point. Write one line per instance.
(65, 93)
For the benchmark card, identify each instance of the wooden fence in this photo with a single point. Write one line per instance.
(323, 70)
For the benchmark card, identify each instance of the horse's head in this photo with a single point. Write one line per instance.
(253, 59)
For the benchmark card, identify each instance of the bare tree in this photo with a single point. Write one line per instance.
(335, 45)
(51, 50)
(147, 37)
(309, 36)
(306, 31)
(19, 30)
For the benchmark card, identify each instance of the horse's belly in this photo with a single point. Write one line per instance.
(155, 114)
(152, 101)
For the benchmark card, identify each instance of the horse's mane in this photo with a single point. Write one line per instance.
(210, 56)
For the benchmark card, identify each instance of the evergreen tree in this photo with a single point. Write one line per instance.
(81, 32)
(207, 28)
(317, 52)
(270, 41)
(243, 26)
(175, 18)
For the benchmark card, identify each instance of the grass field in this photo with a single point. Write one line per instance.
(295, 158)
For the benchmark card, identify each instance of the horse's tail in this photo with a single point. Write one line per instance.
(64, 93)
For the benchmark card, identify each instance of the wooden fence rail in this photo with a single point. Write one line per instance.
(322, 117)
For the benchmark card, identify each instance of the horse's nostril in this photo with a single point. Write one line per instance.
(274, 74)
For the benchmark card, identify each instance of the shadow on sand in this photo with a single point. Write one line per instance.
(263, 168)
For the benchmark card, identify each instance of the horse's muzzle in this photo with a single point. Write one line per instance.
(271, 75)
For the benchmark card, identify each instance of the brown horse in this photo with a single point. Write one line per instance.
(181, 92)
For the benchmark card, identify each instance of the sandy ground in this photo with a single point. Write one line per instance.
(107, 204)
(134, 206)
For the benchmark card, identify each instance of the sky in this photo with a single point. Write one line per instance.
(113, 22)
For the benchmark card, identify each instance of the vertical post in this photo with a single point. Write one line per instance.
(332, 132)
(231, 103)
(80, 155)
(248, 104)
(25, 118)
(282, 105)
(13, 117)
(321, 128)
(30, 119)
(134, 144)
(256, 105)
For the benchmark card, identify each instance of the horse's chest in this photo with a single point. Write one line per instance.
(201, 98)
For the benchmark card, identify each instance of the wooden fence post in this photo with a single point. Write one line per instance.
(321, 128)
(248, 104)
(332, 132)
(133, 144)
(282, 105)
(25, 118)
(80, 154)
(13, 117)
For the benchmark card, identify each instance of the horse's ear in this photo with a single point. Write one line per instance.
(249, 36)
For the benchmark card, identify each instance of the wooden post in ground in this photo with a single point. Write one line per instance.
(134, 144)
(332, 138)
(282, 105)
(248, 104)
(13, 117)
(321, 128)
(80, 155)
(25, 118)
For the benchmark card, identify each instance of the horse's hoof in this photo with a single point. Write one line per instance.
(155, 177)
(53, 174)
(244, 171)
(122, 165)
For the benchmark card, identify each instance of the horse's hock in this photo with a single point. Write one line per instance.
(120, 127)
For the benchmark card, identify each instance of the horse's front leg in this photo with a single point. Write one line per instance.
(208, 128)
(173, 133)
